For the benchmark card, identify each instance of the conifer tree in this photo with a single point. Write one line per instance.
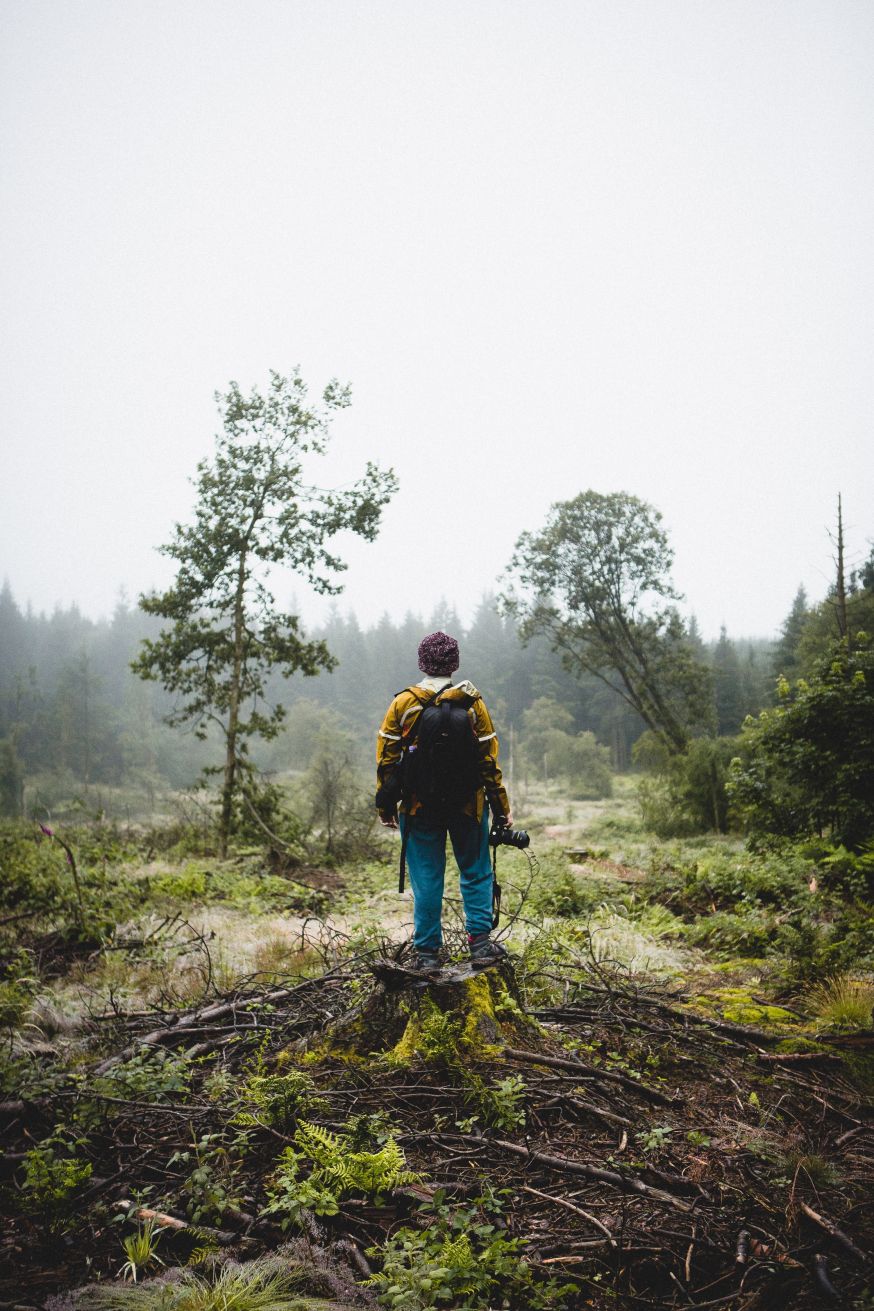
(786, 650)
(727, 686)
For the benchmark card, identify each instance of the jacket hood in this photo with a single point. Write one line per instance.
(463, 691)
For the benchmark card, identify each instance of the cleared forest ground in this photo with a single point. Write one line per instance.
(621, 1118)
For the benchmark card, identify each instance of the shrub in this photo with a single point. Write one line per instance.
(549, 742)
(502, 1104)
(53, 1174)
(687, 793)
(806, 766)
(211, 1184)
(149, 1076)
(36, 880)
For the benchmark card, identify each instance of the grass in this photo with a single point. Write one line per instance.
(228, 928)
(263, 1285)
(703, 913)
(842, 1002)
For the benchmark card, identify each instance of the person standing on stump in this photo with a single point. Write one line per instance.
(437, 760)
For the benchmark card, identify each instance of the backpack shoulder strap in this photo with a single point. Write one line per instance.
(415, 690)
(423, 702)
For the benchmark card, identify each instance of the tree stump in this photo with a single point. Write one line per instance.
(458, 1014)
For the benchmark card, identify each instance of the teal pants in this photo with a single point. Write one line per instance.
(426, 866)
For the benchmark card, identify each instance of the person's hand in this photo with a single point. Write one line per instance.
(388, 821)
(508, 821)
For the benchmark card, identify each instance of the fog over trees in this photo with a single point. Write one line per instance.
(73, 713)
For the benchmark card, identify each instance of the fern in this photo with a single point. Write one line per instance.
(335, 1170)
(361, 1171)
(202, 1253)
(278, 1100)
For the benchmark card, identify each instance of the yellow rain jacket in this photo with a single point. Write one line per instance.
(402, 715)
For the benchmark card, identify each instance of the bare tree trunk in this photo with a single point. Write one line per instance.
(86, 717)
(843, 626)
(233, 715)
(714, 798)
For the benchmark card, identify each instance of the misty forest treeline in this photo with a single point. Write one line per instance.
(578, 672)
(71, 710)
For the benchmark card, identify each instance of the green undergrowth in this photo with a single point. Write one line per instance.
(800, 910)
(243, 884)
(805, 908)
(55, 1171)
(41, 890)
(461, 1257)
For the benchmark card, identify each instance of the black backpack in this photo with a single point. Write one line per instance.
(441, 763)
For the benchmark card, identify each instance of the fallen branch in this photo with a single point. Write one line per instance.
(565, 1164)
(609, 1117)
(801, 1058)
(746, 1033)
(610, 1076)
(183, 1023)
(223, 1237)
(574, 1260)
(834, 1232)
(851, 1133)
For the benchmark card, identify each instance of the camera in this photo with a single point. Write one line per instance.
(501, 836)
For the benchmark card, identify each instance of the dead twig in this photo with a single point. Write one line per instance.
(577, 1210)
(821, 1275)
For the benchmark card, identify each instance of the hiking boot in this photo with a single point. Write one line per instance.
(424, 960)
(483, 951)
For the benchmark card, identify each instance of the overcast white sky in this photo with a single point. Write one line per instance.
(553, 245)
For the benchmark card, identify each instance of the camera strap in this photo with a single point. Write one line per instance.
(496, 889)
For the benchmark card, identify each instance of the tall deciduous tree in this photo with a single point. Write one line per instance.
(596, 583)
(254, 510)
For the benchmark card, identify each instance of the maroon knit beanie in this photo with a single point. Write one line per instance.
(438, 654)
